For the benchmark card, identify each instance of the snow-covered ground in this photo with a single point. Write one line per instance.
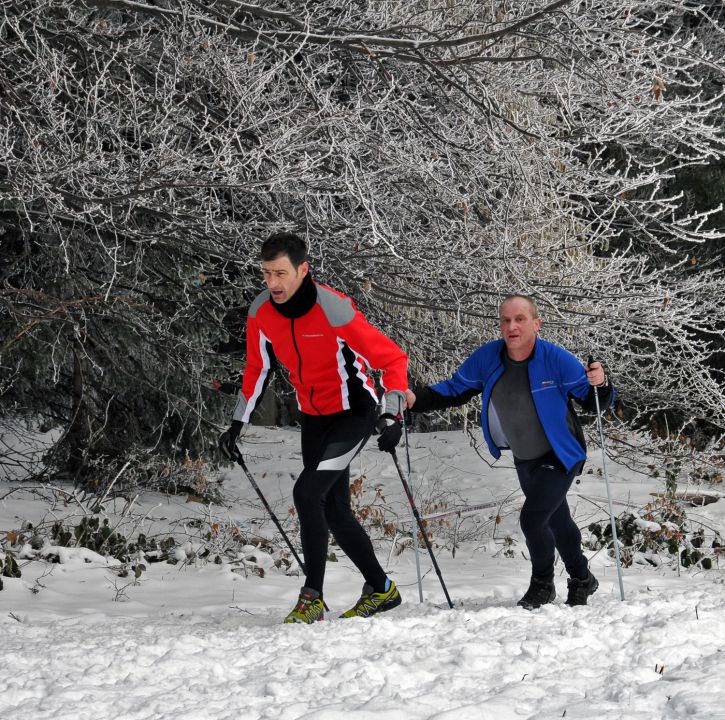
(199, 640)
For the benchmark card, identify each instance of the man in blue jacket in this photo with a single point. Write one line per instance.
(526, 384)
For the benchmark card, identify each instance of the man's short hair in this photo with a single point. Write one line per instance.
(528, 298)
(284, 243)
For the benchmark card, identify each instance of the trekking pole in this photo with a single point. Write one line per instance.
(240, 460)
(606, 481)
(416, 515)
(416, 547)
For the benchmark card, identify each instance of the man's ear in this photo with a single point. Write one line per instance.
(304, 268)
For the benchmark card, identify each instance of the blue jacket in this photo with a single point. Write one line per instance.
(555, 375)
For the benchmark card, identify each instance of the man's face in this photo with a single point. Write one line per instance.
(281, 277)
(519, 327)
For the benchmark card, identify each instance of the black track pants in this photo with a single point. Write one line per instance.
(322, 494)
(546, 519)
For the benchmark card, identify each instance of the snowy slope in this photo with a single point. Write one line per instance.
(199, 640)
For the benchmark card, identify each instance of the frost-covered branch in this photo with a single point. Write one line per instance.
(436, 155)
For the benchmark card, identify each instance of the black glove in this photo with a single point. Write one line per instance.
(228, 439)
(390, 428)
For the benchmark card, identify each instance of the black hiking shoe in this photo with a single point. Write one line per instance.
(580, 590)
(540, 592)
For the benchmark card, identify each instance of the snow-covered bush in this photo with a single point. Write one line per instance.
(660, 533)
(435, 155)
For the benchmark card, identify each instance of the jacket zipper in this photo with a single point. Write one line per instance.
(299, 364)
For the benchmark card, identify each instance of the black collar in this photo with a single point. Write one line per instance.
(301, 302)
(506, 358)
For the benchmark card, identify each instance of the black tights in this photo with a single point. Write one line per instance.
(546, 520)
(322, 494)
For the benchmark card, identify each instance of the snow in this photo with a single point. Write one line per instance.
(652, 526)
(198, 640)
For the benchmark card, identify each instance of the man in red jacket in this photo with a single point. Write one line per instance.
(327, 346)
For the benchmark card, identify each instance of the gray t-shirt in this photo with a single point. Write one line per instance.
(512, 417)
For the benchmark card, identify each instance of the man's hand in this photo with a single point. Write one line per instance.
(228, 439)
(409, 399)
(595, 373)
(390, 428)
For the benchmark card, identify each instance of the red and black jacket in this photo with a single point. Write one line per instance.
(327, 346)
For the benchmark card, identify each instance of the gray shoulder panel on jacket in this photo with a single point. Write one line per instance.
(258, 302)
(338, 310)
